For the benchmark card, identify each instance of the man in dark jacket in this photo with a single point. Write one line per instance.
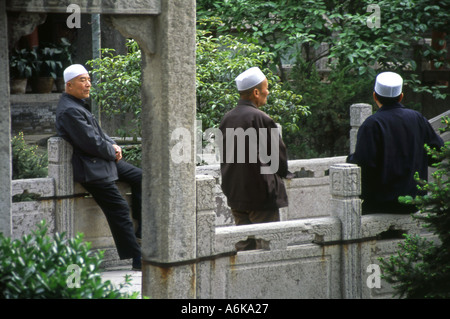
(390, 149)
(97, 163)
(254, 158)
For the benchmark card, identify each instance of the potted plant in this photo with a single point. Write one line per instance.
(45, 67)
(20, 70)
(66, 59)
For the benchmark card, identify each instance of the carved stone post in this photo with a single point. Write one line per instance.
(346, 205)
(358, 114)
(60, 169)
(5, 129)
(168, 147)
(206, 226)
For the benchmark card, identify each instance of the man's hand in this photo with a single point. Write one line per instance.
(118, 152)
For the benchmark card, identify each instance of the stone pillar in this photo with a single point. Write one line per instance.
(346, 205)
(5, 129)
(206, 231)
(168, 121)
(60, 169)
(358, 114)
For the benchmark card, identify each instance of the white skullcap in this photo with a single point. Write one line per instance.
(249, 79)
(389, 84)
(73, 71)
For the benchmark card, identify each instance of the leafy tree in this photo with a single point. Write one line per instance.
(324, 133)
(344, 35)
(117, 85)
(219, 60)
(291, 28)
(421, 268)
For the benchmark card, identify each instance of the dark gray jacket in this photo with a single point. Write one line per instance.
(93, 152)
(244, 185)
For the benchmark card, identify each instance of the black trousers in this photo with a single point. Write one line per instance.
(117, 210)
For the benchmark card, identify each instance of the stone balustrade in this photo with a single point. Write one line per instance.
(322, 248)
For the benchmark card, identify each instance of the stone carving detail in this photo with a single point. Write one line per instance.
(345, 180)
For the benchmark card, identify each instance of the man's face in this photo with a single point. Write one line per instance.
(263, 93)
(80, 86)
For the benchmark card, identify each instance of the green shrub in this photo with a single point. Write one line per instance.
(42, 267)
(26, 163)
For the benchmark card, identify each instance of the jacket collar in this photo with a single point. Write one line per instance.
(391, 107)
(243, 102)
(83, 103)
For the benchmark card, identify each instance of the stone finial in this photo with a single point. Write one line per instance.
(358, 114)
(345, 180)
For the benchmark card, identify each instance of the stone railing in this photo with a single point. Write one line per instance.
(324, 257)
(65, 206)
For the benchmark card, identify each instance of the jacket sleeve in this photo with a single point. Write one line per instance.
(367, 144)
(280, 152)
(86, 136)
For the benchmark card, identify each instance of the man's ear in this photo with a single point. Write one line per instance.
(376, 100)
(401, 97)
(256, 92)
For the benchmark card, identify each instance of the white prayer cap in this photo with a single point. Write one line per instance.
(73, 71)
(389, 84)
(249, 79)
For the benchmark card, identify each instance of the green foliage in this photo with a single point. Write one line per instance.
(117, 85)
(132, 154)
(290, 29)
(45, 61)
(293, 32)
(325, 132)
(219, 60)
(419, 270)
(63, 54)
(422, 268)
(39, 267)
(26, 163)
(19, 64)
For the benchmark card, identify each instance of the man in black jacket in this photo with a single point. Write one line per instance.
(390, 149)
(254, 157)
(97, 163)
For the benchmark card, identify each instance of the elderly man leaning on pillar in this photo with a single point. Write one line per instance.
(97, 163)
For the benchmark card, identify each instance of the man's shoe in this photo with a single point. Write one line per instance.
(137, 263)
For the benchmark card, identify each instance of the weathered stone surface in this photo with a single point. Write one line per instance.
(5, 129)
(44, 187)
(87, 6)
(358, 114)
(27, 215)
